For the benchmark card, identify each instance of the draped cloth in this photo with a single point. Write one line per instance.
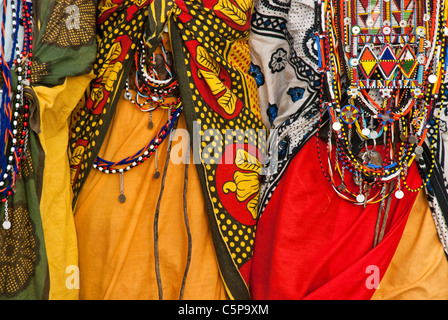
(312, 244)
(61, 71)
(121, 263)
(41, 243)
(209, 42)
(284, 64)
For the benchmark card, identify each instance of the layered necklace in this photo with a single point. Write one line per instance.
(383, 69)
(155, 83)
(16, 37)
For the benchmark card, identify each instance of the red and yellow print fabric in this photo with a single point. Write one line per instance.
(220, 101)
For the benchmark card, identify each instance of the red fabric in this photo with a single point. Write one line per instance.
(312, 244)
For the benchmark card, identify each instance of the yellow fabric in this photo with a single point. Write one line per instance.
(56, 105)
(116, 240)
(419, 267)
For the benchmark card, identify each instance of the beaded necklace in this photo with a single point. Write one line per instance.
(154, 91)
(14, 109)
(382, 69)
(149, 85)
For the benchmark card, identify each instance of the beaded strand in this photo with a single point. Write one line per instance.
(14, 109)
(330, 67)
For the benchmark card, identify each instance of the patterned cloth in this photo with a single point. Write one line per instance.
(288, 64)
(211, 55)
(284, 63)
(60, 50)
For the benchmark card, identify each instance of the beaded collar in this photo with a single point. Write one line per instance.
(382, 66)
(14, 109)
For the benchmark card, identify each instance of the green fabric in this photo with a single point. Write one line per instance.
(64, 45)
(209, 40)
(23, 261)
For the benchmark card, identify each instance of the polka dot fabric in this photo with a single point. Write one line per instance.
(220, 101)
(218, 61)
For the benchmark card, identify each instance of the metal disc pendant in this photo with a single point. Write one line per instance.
(6, 225)
(403, 137)
(373, 134)
(399, 194)
(156, 175)
(412, 140)
(337, 126)
(128, 95)
(366, 132)
(419, 150)
(360, 198)
(122, 198)
(375, 158)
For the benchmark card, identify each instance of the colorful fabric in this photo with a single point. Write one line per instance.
(211, 55)
(56, 104)
(307, 248)
(63, 58)
(64, 40)
(121, 263)
(284, 63)
(23, 258)
(41, 243)
(311, 244)
(419, 268)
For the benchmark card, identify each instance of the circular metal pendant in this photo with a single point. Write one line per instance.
(399, 194)
(360, 198)
(412, 139)
(6, 225)
(375, 158)
(365, 131)
(336, 126)
(418, 150)
(156, 175)
(373, 134)
(122, 198)
(432, 78)
(403, 137)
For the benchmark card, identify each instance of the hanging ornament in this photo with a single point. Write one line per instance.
(14, 108)
(381, 92)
